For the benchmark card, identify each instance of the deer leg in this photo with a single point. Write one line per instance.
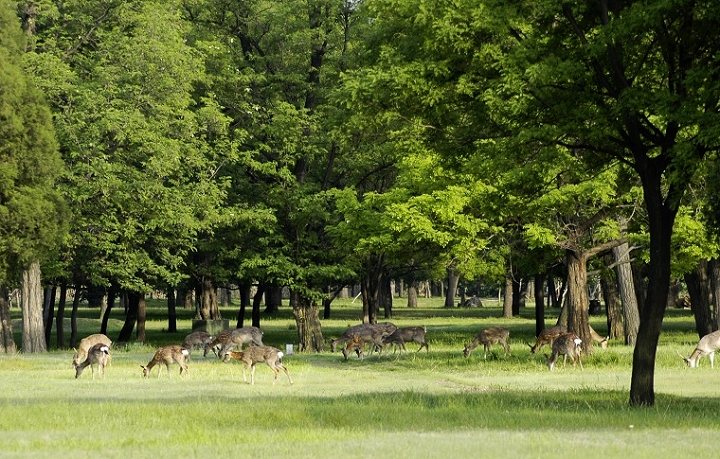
(711, 356)
(252, 374)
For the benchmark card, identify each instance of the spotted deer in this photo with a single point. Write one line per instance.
(384, 329)
(227, 339)
(707, 345)
(198, 340)
(547, 337)
(257, 354)
(354, 344)
(567, 345)
(488, 337)
(98, 355)
(403, 335)
(85, 344)
(167, 355)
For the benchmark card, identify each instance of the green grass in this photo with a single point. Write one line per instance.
(419, 405)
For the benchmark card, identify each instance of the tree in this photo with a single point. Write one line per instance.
(31, 210)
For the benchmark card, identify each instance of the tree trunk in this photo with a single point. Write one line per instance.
(172, 310)
(516, 295)
(453, 278)
(32, 310)
(310, 336)
(613, 304)
(412, 295)
(699, 289)
(508, 298)
(552, 292)
(7, 343)
(73, 318)
(578, 301)
(273, 299)
(133, 299)
(714, 273)
(244, 289)
(257, 301)
(48, 312)
(142, 314)
(385, 296)
(661, 218)
(60, 327)
(628, 296)
(110, 304)
(209, 309)
(539, 304)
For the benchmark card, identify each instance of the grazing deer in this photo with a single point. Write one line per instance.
(547, 336)
(98, 355)
(167, 355)
(488, 337)
(198, 340)
(85, 345)
(567, 345)
(355, 344)
(403, 335)
(363, 329)
(602, 341)
(256, 354)
(707, 345)
(227, 339)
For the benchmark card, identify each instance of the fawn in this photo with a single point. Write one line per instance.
(167, 355)
(85, 345)
(98, 355)
(257, 354)
(567, 345)
(488, 337)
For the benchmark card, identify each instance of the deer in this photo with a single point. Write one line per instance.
(167, 355)
(354, 344)
(227, 339)
(98, 355)
(198, 340)
(707, 345)
(547, 336)
(602, 341)
(488, 337)
(567, 345)
(372, 335)
(85, 344)
(384, 328)
(257, 354)
(403, 335)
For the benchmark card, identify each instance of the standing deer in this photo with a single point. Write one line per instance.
(227, 339)
(707, 345)
(547, 336)
(355, 344)
(488, 337)
(567, 345)
(256, 354)
(403, 335)
(98, 355)
(167, 355)
(198, 340)
(384, 329)
(85, 345)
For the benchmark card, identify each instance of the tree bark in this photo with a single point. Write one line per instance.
(539, 304)
(32, 310)
(244, 289)
(507, 299)
(257, 301)
(714, 273)
(209, 309)
(516, 295)
(60, 327)
(133, 299)
(578, 300)
(172, 310)
(7, 342)
(110, 304)
(49, 312)
(699, 289)
(385, 295)
(412, 295)
(307, 319)
(73, 318)
(141, 315)
(453, 278)
(273, 299)
(628, 296)
(613, 304)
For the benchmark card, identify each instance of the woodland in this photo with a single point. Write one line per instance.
(311, 145)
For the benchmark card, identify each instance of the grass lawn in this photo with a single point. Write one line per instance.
(430, 404)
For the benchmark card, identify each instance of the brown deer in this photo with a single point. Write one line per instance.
(354, 344)
(198, 340)
(547, 336)
(567, 345)
(257, 354)
(227, 339)
(98, 355)
(385, 329)
(488, 337)
(707, 345)
(167, 355)
(602, 341)
(85, 345)
(403, 335)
